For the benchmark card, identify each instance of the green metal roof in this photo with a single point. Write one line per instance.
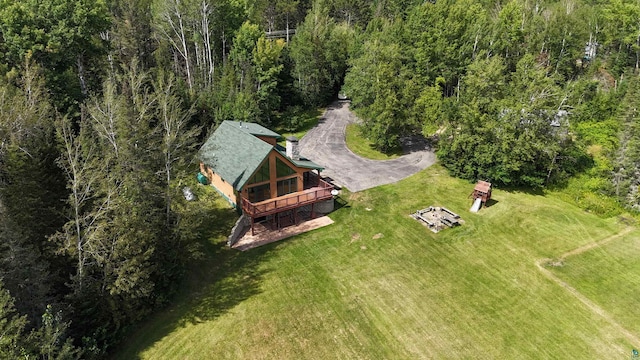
(234, 153)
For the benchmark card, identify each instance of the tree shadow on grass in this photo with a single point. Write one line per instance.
(234, 278)
(538, 191)
(391, 152)
(217, 282)
(298, 121)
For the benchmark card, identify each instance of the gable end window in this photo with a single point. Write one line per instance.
(283, 169)
(262, 174)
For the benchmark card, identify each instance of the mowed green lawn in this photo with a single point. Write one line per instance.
(362, 146)
(609, 275)
(379, 285)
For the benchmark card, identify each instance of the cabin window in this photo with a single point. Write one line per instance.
(283, 169)
(262, 174)
(259, 193)
(287, 186)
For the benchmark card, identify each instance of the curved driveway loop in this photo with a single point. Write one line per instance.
(325, 144)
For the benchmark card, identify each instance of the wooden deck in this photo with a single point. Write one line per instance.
(294, 200)
(266, 235)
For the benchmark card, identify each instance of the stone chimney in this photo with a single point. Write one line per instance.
(293, 152)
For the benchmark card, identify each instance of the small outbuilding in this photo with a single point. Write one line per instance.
(480, 195)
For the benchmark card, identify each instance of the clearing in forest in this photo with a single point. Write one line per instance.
(378, 284)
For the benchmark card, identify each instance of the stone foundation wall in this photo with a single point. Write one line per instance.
(324, 207)
(238, 229)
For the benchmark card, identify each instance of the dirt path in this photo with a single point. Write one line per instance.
(325, 144)
(631, 337)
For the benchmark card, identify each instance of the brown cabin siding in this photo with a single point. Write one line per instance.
(222, 186)
(268, 139)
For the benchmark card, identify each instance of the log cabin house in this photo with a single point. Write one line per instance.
(246, 165)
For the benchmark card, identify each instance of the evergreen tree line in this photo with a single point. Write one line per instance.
(104, 103)
(102, 107)
(531, 94)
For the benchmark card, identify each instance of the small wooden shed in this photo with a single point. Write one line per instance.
(482, 191)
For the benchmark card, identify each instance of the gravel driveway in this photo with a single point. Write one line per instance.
(325, 145)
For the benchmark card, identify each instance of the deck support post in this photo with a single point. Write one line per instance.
(253, 233)
(313, 215)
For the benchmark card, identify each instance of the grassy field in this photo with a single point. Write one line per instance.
(363, 147)
(608, 276)
(377, 284)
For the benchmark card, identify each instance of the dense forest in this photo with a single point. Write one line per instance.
(104, 103)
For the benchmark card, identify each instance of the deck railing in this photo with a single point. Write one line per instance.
(289, 201)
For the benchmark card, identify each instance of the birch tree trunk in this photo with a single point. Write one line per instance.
(205, 30)
(177, 35)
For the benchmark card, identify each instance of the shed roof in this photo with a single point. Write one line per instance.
(483, 186)
(234, 153)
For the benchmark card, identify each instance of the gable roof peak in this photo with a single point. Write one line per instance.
(234, 153)
(252, 128)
